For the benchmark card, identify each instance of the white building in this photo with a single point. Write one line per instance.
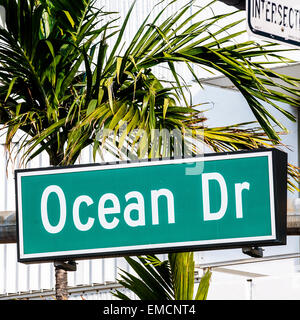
(235, 275)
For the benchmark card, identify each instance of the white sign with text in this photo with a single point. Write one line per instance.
(275, 20)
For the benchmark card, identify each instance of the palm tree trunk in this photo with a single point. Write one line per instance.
(61, 274)
(61, 283)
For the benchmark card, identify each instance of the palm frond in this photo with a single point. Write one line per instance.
(171, 279)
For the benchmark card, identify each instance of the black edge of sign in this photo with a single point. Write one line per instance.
(279, 165)
(17, 215)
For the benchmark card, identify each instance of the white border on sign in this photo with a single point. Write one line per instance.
(113, 250)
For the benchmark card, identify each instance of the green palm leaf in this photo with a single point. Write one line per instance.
(172, 279)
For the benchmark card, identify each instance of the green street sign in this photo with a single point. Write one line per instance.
(215, 201)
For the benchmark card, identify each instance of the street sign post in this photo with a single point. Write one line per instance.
(275, 20)
(216, 201)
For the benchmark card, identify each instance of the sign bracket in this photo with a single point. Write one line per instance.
(255, 252)
(67, 266)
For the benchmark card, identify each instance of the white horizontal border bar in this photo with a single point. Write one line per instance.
(146, 246)
(96, 167)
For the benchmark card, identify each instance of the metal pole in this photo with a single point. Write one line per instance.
(8, 231)
(240, 4)
(248, 260)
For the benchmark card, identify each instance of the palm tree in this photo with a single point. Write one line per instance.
(171, 279)
(61, 85)
(42, 47)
